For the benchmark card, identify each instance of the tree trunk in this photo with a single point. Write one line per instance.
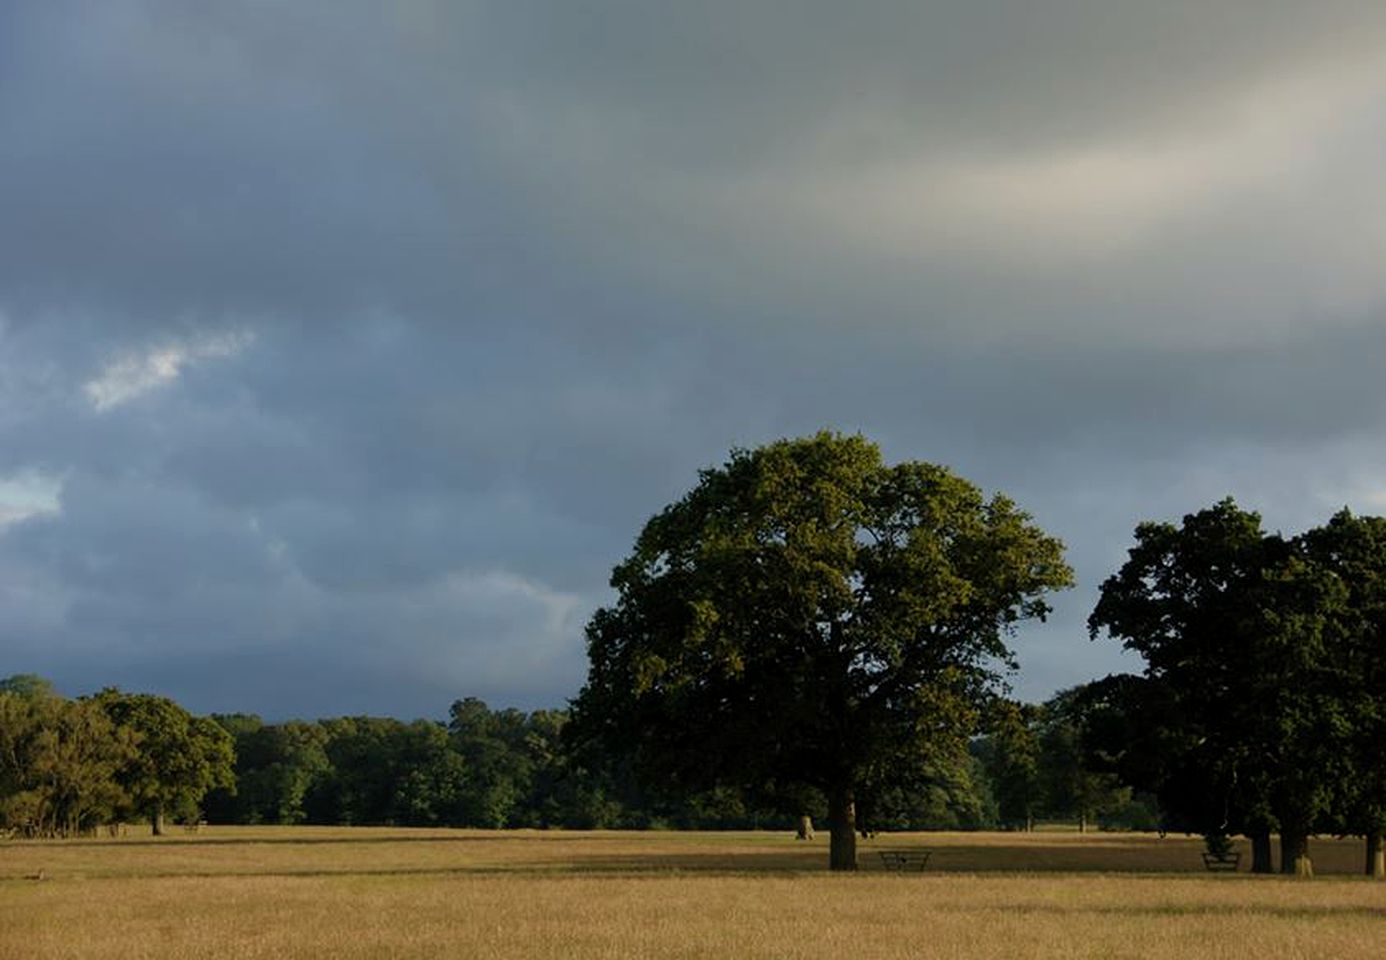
(842, 812)
(1294, 854)
(1082, 823)
(156, 821)
(1376, 855)
(805, 831)
(1261, 852)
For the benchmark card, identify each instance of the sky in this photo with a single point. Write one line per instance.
(346, 346)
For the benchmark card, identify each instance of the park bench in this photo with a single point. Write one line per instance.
(1227, 861)
(902, 860)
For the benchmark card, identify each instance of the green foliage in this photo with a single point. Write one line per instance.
(179, 757)
(1010, 759)
(1075, 781)
(1353, 550)
(1186, 602)
(384, 771)
(1053, 762)
(276, 767)
(484, 769)
(950, 795)
(498, 755)
(28, 686)
(808, 616)
(1140, 812)
(1253, 705)
(1218, 844)
(58, 765)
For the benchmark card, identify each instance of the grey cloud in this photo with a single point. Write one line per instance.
(323, 160)
(510, 273)
(985, 76)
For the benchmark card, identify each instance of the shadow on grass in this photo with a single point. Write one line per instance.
(202, 840)
(1300, 912)
(265, 874)
(950, 859)
(725, 856)
(1175, 857)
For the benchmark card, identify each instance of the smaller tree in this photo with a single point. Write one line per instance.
(1239, 630)
(499, 768)
(431, 778)
(58, 765)
(277, 765)
(1010, 754)
(28, 686)
(1353, 549)
(1074, 781)
(178, 757)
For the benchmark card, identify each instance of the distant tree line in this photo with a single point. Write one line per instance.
(70, 767)
(507, 768)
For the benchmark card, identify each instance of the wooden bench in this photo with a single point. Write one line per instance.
(902, 860)
(1228, 862)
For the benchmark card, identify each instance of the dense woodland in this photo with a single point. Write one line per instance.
(69, 768)
(812, 633)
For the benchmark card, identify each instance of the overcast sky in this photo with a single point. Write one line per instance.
(346, 346)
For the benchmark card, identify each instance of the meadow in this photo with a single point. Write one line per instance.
(277, 892)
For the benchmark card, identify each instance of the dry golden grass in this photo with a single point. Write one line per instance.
(316, 893)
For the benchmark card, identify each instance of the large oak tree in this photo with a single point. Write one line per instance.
(808, 616)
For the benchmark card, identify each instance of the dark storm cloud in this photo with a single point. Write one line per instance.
(345, 347)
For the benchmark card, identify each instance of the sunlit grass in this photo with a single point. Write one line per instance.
(280, 892)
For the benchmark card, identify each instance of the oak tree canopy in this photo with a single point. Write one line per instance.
(810, 617)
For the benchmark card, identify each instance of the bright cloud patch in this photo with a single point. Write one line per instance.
(28, 494)
(522, 625)
(132, 375)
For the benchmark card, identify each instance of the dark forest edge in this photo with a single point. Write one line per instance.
(68, 767)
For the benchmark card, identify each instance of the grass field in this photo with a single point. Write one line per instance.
(320, 893)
